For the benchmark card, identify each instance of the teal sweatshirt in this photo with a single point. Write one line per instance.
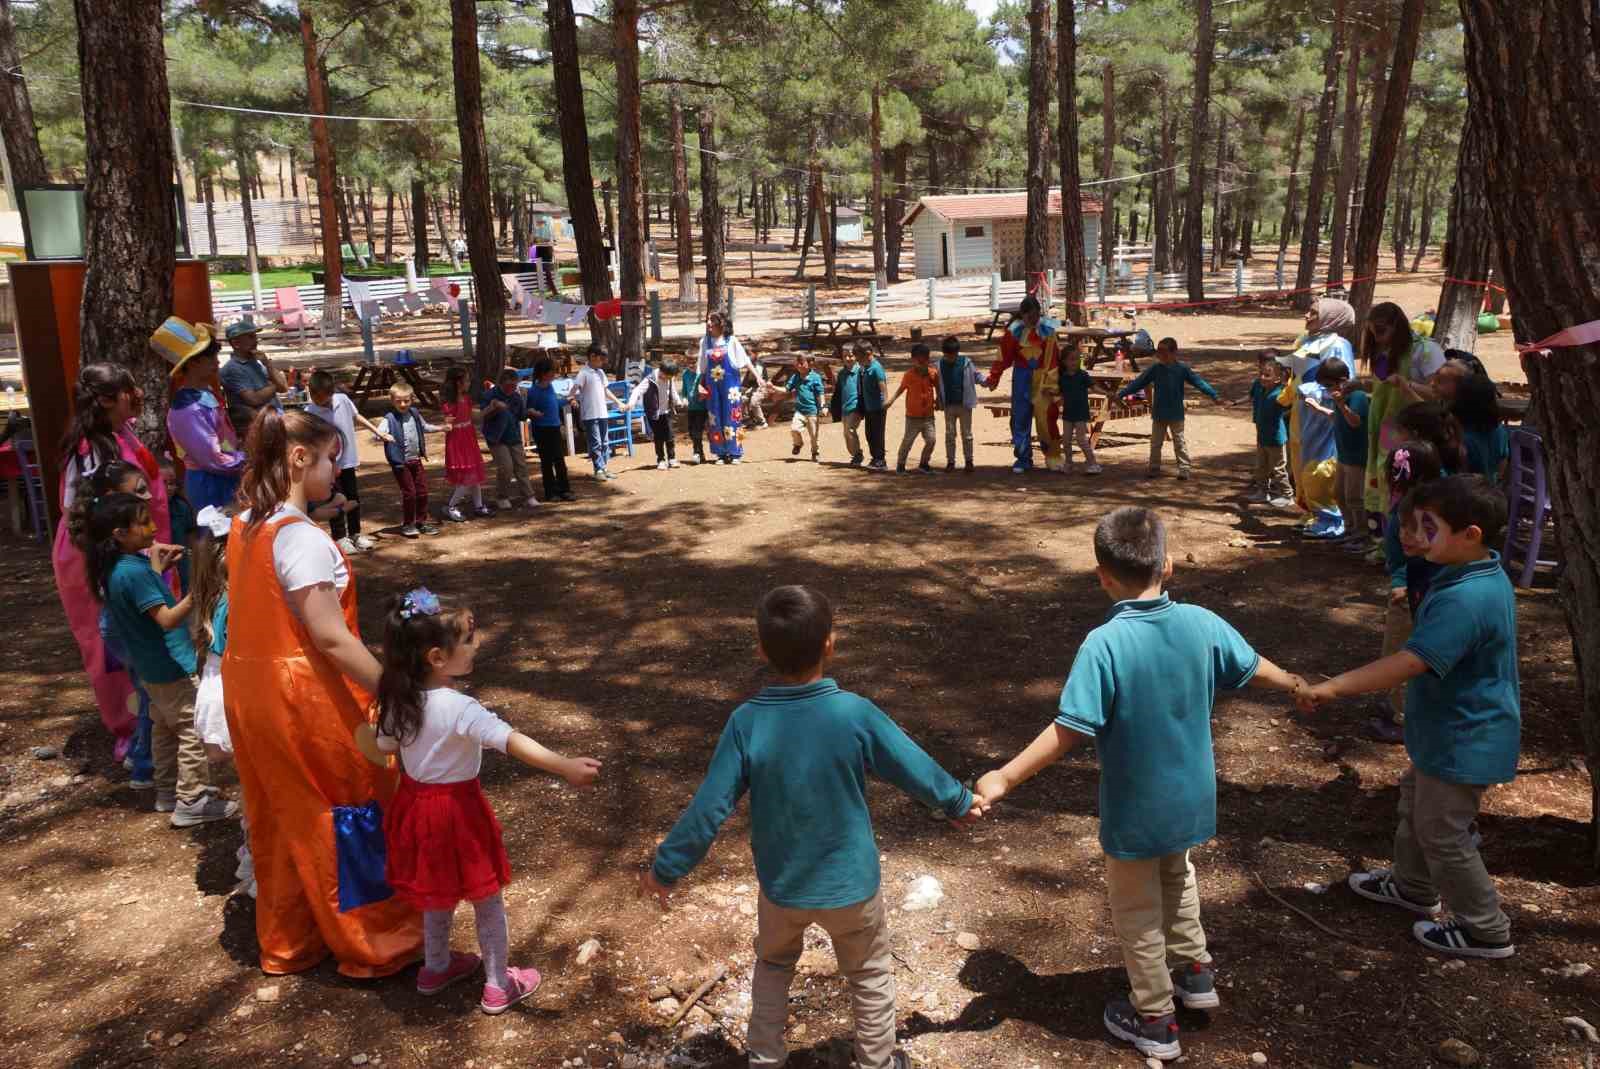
(803, 753)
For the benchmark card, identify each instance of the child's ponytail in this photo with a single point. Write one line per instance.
(266, 478)
(414, 624)
(208, 573)
(106, 480)
(90, 421)
(107, 516)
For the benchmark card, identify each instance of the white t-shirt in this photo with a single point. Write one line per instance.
(342, 414)
(591, 389)
(303, 554)
(448, 747)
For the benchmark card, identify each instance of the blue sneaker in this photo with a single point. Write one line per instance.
(1195, 985)
(1154, 1037)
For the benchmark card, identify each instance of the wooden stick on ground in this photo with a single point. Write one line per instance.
(697, 995)
(1276, 897)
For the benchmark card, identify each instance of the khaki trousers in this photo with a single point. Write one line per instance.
(808, 424)
(1434, 857)
(1352, 491)
(852, 435)
(179, 755)
(510, 470)
(955, 415)
(1155, 911)
(860, 935)
(1396, 632)
(1159, 430)
(1272, 471)
(917, 425)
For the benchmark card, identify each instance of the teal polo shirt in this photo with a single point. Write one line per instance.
(803, 753)
(1142, 687)
(1464, 714)
(870, 384)
(1271, 418)
(807, 393)
(1486, 451)
(848, 384)
(1350, 443)
(132, 590)
(1168, 381)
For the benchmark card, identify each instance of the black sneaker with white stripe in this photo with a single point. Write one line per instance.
(1449, 937)
(1379, 886)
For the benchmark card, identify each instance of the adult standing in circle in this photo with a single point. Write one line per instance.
(721, 366)
(1322, 339)
(249, 380)
(106, 400)
(1399, 362)
(297, 684)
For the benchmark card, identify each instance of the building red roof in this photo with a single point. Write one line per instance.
(995, 206)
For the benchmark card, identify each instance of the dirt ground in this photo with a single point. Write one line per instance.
(621, 626)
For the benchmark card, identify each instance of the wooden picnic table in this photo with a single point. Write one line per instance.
(375, 379)
(838, 329)
(1103, 407)
(528, 355)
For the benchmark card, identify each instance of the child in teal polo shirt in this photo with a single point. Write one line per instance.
(807, 386)
(1463, 722)
(1167, 377)
(1142, 687)
(802, 749)
(1272, 434)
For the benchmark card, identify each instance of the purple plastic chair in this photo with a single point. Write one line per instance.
(1528, 514)
(33, 480)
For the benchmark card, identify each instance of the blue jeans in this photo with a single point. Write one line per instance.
(139, 751)
(1022, 431)
(595, 430)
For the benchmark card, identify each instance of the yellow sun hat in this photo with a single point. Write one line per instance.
(178, 341)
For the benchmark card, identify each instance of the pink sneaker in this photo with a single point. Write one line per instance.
(520, 983)
(462, 965)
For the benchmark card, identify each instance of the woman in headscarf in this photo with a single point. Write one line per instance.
(1321, 340)
(1399, 364)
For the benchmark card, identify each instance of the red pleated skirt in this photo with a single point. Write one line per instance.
(444, 844)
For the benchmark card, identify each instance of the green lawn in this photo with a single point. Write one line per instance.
(300, 275)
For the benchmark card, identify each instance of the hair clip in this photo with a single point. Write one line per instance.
(214, 520)
(1402, 462)
(419, 601)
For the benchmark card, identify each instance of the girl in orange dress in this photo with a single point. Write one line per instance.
(297, 685)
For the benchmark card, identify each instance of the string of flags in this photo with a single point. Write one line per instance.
(537, 309)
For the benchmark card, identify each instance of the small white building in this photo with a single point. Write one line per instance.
(847, 228)
(981, 233)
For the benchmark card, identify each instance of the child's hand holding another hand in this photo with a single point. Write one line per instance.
(581, 771)
(990, 788)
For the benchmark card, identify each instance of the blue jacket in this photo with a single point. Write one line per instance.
(395, 452)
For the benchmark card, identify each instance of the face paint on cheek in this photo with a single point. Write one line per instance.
(1430, 528)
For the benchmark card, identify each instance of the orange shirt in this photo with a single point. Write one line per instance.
(920, 384)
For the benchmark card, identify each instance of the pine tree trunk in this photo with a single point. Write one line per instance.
(280, 178)
(1349, 150)
(1218, 241)
(880, 273)
(894, 230)
(419, 228)
(1194, 209)
(611, 217)
(1034, 241)
(1108, 161)
(246, 161)
(1385, 143)
(342, 203)
(1291, 201)
(294, 174)
(630, 180)
(366, 215)
(813, 212)
(209, 193)
(322, 155)
(1469, 241)
(688, 287)
(130, 246)
(23, 155)
(1166, 187)
(1541, 113)
(1074, 282)
(830, 242)
(711, 210)
(388, 225)
(1311, 225)
(477, 208)
(1430, 182)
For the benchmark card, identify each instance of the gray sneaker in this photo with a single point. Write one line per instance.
(1379, 886)
(1154, 1037)
(166, 801)
(1195, 985)
(204, 810)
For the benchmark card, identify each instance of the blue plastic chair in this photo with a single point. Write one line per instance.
(619, 425)
(33, 480)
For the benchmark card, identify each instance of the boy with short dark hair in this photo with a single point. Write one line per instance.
(872, 384)
(1463, 723)
(504, 411)
(591, 392)
(657, 392)
(544, 408)
(958, 386)
(1272, 434)
(1142, 687)
(921, 386)
(807, 387)
(1167, 378)
(326, 401)
(803, 748)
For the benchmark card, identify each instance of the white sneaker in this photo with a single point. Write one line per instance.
(206, 809)
(1093, 469)
(533, 502)
(350, 548)
(661, 465)
(365, 544)
(1258, 498)
(503, 504)
(736, 460)
(672, 463)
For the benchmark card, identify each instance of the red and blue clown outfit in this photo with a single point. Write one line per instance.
(1033, 355)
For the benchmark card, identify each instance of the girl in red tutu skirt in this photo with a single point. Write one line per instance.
(463, 459)
(443, 840)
